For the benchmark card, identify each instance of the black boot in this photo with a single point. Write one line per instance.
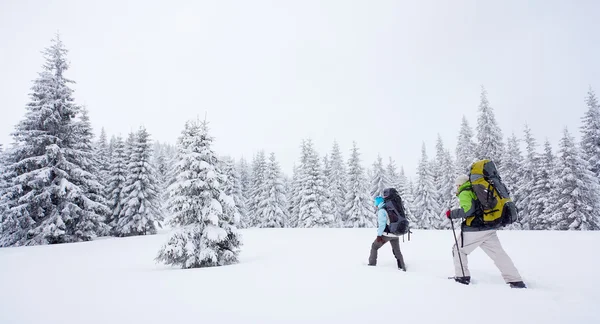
(517, 284)
(463, 280)
(401, 265)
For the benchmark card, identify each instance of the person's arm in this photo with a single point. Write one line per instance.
(467, 206)
(381, 221)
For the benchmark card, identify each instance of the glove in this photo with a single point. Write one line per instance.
(379, 239)
(448, 214)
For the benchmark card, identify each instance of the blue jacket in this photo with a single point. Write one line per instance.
(382, 219)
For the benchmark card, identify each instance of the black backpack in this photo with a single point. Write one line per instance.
(395, 209)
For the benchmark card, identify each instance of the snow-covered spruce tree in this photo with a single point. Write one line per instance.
(336, 184)
(259, 166)
(116, 183)
(590, 137)
(425, 203)
(49, 198)
(511, 172)
(142, 212)
(489, 135)
(392, 174)
(359, 206)
(405, 190)
(444, 175)
(578, 200)
(527, 180)
(233, 188)
(95, 219)
(245, 182)
(542, 197)
(273, 208)
(315, 208)
(201, 209)
(379, 180)
(465, 148)
(294, 198)
(102, 158)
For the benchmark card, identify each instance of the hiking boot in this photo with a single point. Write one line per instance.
(401, 265)
(463, 280)
(517, 284)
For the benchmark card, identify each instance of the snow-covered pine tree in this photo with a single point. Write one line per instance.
(405, 190)
(444, 176)
(116, 183)
(392, 173)
(102, 158)
(273, 208)
(49, 195)
(465, 148)
(527, 180)
(294, 198)
(233, 188)
(259, 166)
(590, 138)
(542, 198)
(336, 184)
(359, 206)
(489, 135)
(142, 212)
(425, 203)
(205, 214)
(379, 180)
(315, 207)
(97, 212)
(511, 171)
(578, 200)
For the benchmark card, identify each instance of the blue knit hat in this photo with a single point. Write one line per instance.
(378, 200)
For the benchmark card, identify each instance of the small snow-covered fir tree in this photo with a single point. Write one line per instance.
(245, 178)
(272, 211)
(527, 180)
(359, 206)
(102, 158)
(426, 204)
(465, 148)
(259, 167)
(444, 176)
(294, 198)
(315, 208)
(116, 183)
(392, 173)
(204, 214)
(379, 179)
(405, 190)
(489, 135)
(233, 188)
(142, 211)
(578, 200)
(542, 198)
(51, 196)
(511, 171)
(336, 184)
(590, 139)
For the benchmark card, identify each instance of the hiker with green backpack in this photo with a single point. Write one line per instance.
(485, 206)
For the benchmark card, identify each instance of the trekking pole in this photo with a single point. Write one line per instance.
(457, 250)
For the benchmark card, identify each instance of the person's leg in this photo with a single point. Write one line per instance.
(468, 242)
(395, 243)
(374, 247)
(492, 247)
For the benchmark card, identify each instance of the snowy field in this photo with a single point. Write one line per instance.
(302, 276)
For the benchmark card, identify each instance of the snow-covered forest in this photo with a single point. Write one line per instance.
(61, 181)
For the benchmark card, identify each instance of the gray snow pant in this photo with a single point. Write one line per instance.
(490, 244)
(395, 243)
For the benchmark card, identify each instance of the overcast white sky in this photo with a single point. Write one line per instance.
(270, 73)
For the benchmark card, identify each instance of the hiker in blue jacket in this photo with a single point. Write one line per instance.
(382, 237)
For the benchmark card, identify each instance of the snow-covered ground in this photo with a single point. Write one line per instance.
(302, 276)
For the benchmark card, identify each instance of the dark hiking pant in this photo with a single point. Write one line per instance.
(395, 243)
